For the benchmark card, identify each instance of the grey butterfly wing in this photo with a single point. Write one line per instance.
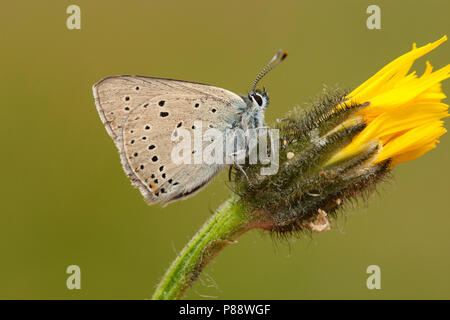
(142, 113)
(148, 142)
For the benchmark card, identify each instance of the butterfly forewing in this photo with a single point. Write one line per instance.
(142, 115)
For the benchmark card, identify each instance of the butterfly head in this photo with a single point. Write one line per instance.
(259, 99)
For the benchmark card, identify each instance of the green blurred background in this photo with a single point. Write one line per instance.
(65, 199)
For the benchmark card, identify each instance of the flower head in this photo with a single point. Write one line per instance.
(347, 142)
(404, 112)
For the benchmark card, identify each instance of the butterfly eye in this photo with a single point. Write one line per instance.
(258, 99)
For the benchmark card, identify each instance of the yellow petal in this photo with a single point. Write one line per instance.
(404, 112)
(372, 86)
(420, 138)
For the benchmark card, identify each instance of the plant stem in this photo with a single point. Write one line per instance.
(229, 221)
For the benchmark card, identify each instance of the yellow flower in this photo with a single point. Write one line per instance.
(404, 110)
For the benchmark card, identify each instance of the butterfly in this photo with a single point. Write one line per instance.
(141, 114)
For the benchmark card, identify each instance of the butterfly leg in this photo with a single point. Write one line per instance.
(240, 169)
(243, 172)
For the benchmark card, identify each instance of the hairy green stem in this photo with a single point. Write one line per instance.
(229, 221)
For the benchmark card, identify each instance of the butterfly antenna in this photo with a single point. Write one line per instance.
(277, 58)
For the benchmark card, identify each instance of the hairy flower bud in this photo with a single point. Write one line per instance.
(306, 189)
